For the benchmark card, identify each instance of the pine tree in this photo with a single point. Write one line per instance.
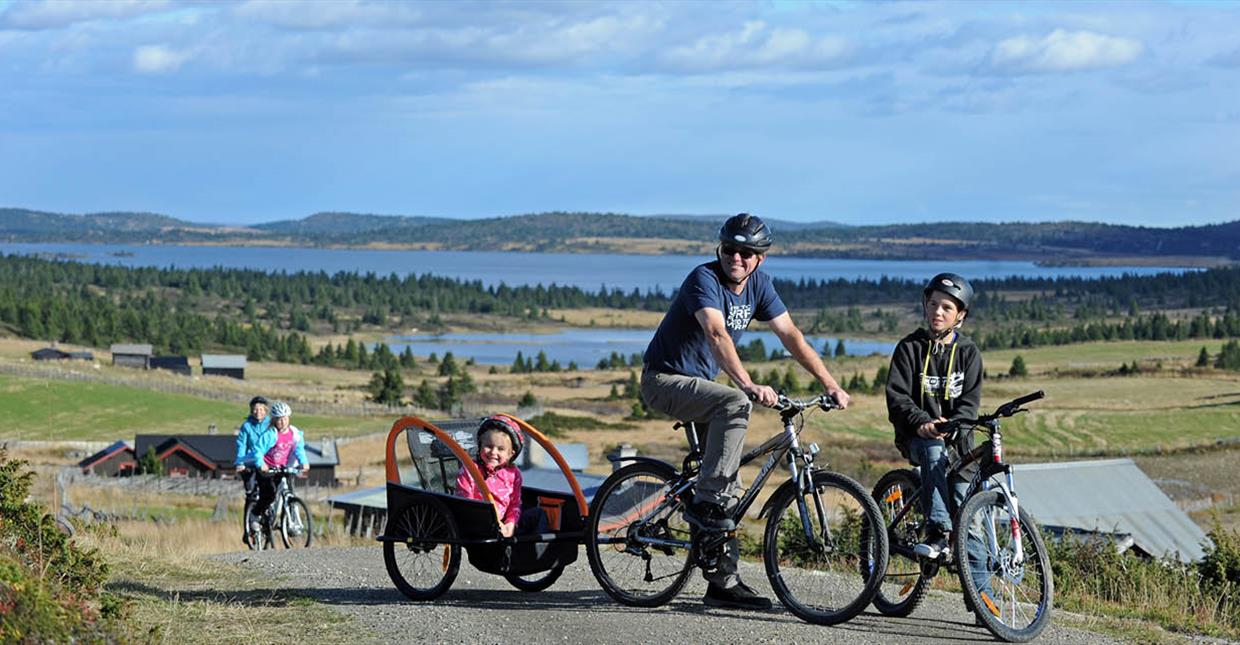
(1018, 367)
(386, 387)
(1203, 359)
(840, 350)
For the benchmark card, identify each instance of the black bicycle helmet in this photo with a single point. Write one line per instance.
(259, 399)
(505, 425)
(746, 231)
(953, 285)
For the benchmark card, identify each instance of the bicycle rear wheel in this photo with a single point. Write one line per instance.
(630, 510)
(1011, 590)
(828, 575)
(296, 525)
(906, 582)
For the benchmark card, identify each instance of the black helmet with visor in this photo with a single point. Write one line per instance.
(747, 232)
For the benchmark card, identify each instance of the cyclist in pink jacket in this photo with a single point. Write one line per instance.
(499, 443)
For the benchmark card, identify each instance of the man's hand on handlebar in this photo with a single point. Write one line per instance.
(763, 395)
(841, 397)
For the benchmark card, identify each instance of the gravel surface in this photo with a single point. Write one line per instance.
(482, 608)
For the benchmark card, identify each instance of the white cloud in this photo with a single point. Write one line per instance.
(1064, 51)
(756, 45)
(158, 59)
(54, 14)
(337, 14)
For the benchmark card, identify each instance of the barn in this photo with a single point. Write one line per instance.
(231, 365)
(127, 355)
(175, 364)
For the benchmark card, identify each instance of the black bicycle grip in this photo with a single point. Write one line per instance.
(1028, 398)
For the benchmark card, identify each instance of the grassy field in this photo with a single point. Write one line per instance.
(48, 409)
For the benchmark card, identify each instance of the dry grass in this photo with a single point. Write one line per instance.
(179, 596)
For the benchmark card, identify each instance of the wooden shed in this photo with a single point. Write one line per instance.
(177, 364)
(132, 355)
(231, 365)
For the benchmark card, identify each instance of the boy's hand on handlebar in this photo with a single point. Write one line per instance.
(932, 429)
(506, 529)
(763, 395)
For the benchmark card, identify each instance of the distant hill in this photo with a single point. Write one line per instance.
(19, 224)
(344, 224)
(564, 232)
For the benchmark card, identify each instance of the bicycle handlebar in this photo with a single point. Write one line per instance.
(1006, 410)
(822, 401)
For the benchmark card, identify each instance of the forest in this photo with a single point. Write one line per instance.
(268, 316)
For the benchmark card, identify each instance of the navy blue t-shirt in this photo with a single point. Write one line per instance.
(680, 347)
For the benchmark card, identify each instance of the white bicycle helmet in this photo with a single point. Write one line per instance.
(281, 409)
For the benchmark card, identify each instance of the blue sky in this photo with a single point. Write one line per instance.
(854, 112)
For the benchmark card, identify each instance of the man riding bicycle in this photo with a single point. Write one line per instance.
(697, 337)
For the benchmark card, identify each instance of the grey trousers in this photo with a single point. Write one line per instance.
(724, 413)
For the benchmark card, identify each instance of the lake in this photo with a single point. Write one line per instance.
(586, 346)
(589, 272)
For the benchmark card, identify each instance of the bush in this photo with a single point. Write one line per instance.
(1018, 367)
(50, 590)
(1221, 564)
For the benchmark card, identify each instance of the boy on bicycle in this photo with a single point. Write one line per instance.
(935, 377)
(697, 338)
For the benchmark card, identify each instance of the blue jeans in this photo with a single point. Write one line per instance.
(940, 500)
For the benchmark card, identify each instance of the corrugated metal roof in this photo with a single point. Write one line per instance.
(141, 350)
(1110, 495)
(223, 361)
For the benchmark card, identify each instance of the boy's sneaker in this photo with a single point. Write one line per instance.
(934, 547)
(708, 517)
(737, 597)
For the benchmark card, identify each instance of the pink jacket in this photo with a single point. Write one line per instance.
(505, 487)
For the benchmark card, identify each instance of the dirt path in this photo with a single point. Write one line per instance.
(482, 608)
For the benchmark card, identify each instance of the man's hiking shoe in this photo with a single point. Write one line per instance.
(708, 517)
(737, 597)
(933, 549)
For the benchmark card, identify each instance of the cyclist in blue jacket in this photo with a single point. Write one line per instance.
(282, 446)
(248, 436)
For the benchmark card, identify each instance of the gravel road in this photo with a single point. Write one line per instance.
(482, 608)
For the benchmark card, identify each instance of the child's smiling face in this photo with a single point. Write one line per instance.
(495, 449)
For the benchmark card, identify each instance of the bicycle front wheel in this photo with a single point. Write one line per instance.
(296, 527)
(906, 582)
(826, 549)
(638, 542)
(1009, 588)
(424, 565)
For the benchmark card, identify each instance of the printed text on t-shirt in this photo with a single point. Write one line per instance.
(739, 316)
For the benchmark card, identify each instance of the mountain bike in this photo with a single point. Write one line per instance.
(999, 555)
(287, 514)
(824, 546)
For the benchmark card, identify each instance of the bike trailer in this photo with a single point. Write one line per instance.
(425, 516)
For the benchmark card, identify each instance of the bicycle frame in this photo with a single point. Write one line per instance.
(781, 447)
(983, 481)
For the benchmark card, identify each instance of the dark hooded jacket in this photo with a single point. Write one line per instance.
(948, 384)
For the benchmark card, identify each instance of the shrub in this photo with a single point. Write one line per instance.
(50, 589)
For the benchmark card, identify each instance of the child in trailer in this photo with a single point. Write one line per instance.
(499, 444)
